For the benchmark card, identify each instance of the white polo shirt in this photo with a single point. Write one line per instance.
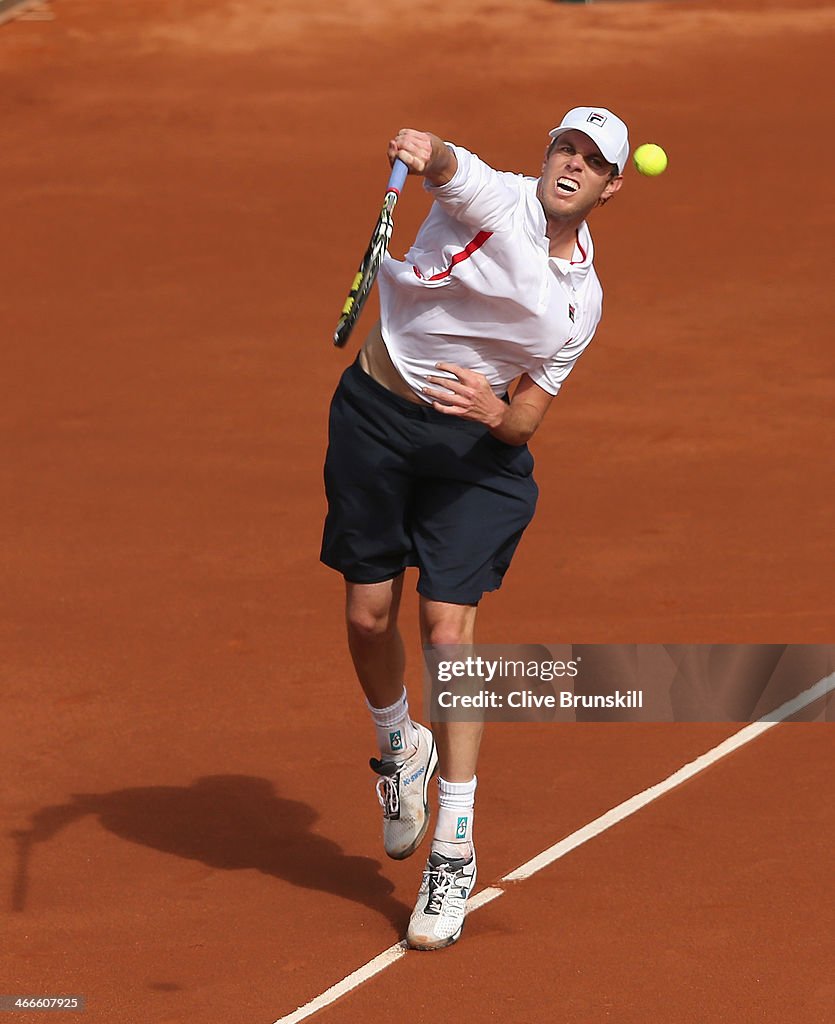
(478, 287)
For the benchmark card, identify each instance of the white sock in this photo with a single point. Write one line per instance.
(397, 736)
(454, 826)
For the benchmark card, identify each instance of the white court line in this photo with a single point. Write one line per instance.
(352, 981)
(582, 835)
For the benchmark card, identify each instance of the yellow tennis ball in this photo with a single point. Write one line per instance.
(650, 159)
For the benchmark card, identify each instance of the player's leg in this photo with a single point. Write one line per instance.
(408, 757)
(374, 640)
(450, 873)
(458, 742)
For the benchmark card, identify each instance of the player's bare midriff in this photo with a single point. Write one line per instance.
(376, 361)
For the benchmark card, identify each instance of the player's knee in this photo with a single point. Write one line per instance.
(444, 632)
(367, 624)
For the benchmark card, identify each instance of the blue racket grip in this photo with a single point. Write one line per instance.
(398, 177)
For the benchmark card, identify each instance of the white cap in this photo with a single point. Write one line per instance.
(603, 127)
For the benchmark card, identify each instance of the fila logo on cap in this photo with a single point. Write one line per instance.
(602, 127)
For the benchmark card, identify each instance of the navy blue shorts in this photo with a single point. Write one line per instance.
(410, 486)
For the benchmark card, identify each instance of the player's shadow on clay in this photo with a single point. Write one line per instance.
(228, 822)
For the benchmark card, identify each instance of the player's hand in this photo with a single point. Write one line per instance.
(467, 394)
(424, 154)
(414, 148)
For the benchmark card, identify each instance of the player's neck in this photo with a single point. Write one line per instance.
(562, 237)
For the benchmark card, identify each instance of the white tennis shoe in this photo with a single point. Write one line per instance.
(403, 792)
(438, 917)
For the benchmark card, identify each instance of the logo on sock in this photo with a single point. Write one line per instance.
(396, 740)
(461, 829)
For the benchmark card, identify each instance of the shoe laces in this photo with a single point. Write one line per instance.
(388, 793)
(441, 880)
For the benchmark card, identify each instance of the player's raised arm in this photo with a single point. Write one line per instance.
(424, 154)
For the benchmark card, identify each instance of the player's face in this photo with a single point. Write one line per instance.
(576, 177)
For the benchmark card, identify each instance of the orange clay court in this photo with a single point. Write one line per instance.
(190, 832)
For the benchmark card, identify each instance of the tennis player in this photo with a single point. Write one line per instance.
(428, 463)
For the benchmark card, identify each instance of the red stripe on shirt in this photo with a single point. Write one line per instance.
(582, 252)
(459, 257)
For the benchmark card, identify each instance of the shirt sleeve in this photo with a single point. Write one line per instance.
(551, 375)
(477, 194)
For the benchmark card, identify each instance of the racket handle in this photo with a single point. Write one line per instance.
(398, 177)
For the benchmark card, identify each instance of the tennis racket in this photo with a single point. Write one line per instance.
(364, 277)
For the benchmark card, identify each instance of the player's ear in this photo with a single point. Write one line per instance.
(612, 187)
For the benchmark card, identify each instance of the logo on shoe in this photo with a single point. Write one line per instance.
(396, 740)
(461, 829)
(414, 776)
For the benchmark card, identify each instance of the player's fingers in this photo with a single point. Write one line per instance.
(449, 410)
(470, 378)
(447, 382)
(413, 161)
(446, 397)
(452, 391)
(451, 368)
(412, 147)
